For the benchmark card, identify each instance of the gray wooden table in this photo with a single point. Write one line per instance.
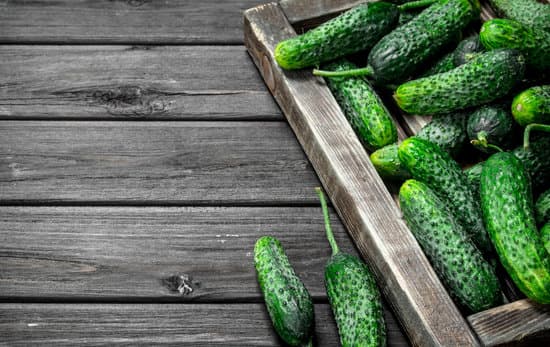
(141, 156)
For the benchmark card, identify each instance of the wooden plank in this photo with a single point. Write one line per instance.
(359, 195)
(156, 324)
(153, 162)
(143, 253)
(130, 82)
(522, 322)
(124, 21)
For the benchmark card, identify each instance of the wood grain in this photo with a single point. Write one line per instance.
(153, 163)
(521, 323)
(359, 195)
(132, 82)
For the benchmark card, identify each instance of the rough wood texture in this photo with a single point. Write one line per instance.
(128, 82)
(364, 204)
(153, 162)
(520, 323)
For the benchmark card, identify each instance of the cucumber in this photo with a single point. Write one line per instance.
(535, 160)
(529, 12)
(473, 174)
(353, 295)
(489, 126)
(357, 29)
(545, 235)
(363, 108)
(444, 64)
(466, 49)
(468, 277)
(431, 165)
(532, 105)
(542, 208)
(533, 43)
(485, 78)
(288, 302)
(447, 131)
(508, 214)
(387, 163)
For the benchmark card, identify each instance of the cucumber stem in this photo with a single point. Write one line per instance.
(531, 127)
(330, 234)
(481, 141)
(416, 4)
(364, 71)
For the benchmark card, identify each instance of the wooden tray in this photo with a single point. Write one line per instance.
(363, 201)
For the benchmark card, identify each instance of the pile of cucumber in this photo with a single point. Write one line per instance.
(487, 88)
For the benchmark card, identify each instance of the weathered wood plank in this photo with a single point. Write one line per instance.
(153, 162)
(147, 325)
(359, 195)
(129, 82)
(123, 21)
(522, 322)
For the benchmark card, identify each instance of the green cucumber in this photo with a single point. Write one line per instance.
(387, 164)
(353, 295)
(468, 277)
(542, 208)
(467, 49)
(444, 64)
(447, 131)
(529, 12)
(288, 302)
(490, 126)
(473, 174)
(357, 29)
(485, 78)
(430, 164)
(366, 113)
(508, 214)
(532, 105)
(545, 236)
(535, 160)
(533, 43)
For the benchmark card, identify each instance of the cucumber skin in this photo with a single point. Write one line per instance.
(401, 53)
(532, 105)
(468, 277)
(447, 131)
(528, 12)
(446, 63)
(535, 160)
(473, 174)
(485, 78)
(430, 164)
(495, 121)
(358, 314)
(508, 213)
(355, 30)
(363, 108)
(469, 45)
(288, 302)
(542, 208)
(387, 164)
(533, 43)
(545, 235)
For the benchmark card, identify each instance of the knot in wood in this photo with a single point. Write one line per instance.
(181, 282)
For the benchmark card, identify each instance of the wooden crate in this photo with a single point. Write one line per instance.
(363, 201)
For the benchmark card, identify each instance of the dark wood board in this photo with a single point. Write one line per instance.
(132, 82)
(248, 163)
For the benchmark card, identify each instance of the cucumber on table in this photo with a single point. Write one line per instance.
(387, 164)
(545, 235)
(507, 206)
(444, 64)
(473, 174)
(468, 277)
(466, 50)
(485, 78)
(529, 12)
(355, 30)
(542, 208)
(532, 105)
(447, 131)
(288, 302)
(353, 295)
(535, 160)
(363, 108)
(489, 126)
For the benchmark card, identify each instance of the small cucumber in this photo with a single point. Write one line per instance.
(545, 235)
(468, 277)
(535, 160)
(466, 49)
(529, 12)
(288, 302)
(533, 43)
(431, 165)
(363, 108)
(532, 105)
(473, 174)
(387, 163)
(444, 64)
(353, 295)
(485, 78)
(357, 29)
(489, 126)
(508, 214)
(542, 208)
(447, 131)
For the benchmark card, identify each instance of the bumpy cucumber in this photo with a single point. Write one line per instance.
(387, 163)
(542, 208)
(535, 160)
(447, 131)
(466, 49)
(468, 277)
(473, 174)
(444, 64)
(545, 235)
(358, 29)
(533, 43)
(508, 214)
(353, 295)
(362, 106)
(490, 125)
(430, 164)
(532, 105)
(485, 78)
(529, 12)
(288, 302)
